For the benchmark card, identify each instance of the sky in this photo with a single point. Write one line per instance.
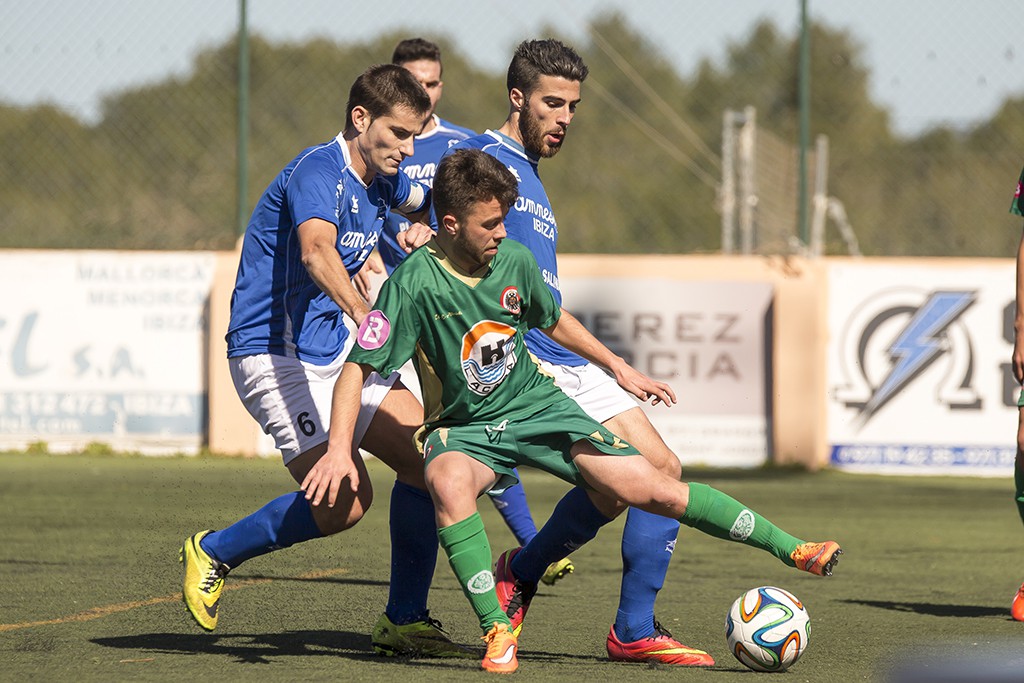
(933, 62)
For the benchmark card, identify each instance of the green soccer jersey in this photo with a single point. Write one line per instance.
(465, 335)
(1018, 198)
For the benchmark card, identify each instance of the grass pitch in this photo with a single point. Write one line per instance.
(90, 580)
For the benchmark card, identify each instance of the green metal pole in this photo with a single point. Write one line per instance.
(242, 171)
(805, 118)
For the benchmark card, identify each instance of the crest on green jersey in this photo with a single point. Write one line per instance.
(510, 300)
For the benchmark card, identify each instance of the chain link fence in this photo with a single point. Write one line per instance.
(119, 120)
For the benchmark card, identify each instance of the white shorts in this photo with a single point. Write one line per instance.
(291, 399)
(592, 388)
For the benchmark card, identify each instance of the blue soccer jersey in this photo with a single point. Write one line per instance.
(427, 151)
(276, 306)
(531, 222)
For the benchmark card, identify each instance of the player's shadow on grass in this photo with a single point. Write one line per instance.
(262, 648)
(340, 580)
(933, 609)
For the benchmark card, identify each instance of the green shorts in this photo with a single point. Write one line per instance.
(1020, 399)
(542, 441)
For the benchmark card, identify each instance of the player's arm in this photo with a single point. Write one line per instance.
(363, 280)
(570, 333)
(317, 240)
(337, 464)
(1018, 321)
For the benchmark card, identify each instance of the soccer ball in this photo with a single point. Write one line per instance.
(767, 629)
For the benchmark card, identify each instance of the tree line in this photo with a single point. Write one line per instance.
(637, 175)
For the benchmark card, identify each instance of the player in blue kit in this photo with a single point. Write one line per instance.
(287, 339)
(544, 86)
(423, 59)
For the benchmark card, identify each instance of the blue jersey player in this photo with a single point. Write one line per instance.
(544, 89)
(311, 230)
(423, 59)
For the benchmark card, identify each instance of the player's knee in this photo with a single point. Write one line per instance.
(449, 486)
(669, 465)
(345, 514)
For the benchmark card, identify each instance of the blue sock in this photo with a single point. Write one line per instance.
(413, 553)
(281, 523)
(647, 544)
(573, 522)
(511, 503)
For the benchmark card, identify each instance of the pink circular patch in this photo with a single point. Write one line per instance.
(374, 331)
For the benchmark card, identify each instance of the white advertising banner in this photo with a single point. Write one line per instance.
(708, 340)
(918, 368)
(105, 347)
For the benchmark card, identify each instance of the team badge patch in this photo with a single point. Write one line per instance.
(510, 300)
(488, 355)
(743, 526)
(373, 331)
(481, 582)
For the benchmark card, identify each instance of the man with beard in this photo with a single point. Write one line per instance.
(544, 84)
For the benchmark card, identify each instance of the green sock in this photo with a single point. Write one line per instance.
(469, 554)
(718, 515)
(1018, 480)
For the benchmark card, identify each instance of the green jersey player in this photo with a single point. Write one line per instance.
(1017, 363)
(460, 307)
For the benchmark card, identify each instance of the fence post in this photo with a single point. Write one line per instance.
(242, 170)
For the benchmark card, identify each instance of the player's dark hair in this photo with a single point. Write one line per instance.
(415, 49)
(468, 176)
(536, 58)
(382, 88)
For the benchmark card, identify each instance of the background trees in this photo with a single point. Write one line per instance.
(638, 175)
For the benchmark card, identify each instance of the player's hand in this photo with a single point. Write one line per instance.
(642, 386)
(327, 475)
(363, 280)
(416, 235)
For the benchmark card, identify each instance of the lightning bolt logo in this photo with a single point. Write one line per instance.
(918, 344)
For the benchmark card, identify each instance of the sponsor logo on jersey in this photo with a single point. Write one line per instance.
(550, 279)
(355, 205)
(535, 208)
(510, 300)
(488, 355)
(421, 172)
(373, 331)
(514, 172)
